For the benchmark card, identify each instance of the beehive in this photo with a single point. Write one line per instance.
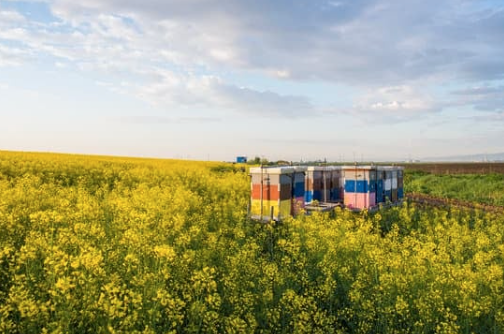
(392, 184)
(337, 185)
(380, 184)
(276, 192)
(360, 186)
(314, 183)
(298, 194)
(323, 184)
(400, 183)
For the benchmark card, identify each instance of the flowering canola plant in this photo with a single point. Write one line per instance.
(93, 244)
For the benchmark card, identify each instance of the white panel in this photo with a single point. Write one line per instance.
(388, 184)
(394, 183)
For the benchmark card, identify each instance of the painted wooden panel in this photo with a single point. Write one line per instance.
(360, 200)
(281, 209)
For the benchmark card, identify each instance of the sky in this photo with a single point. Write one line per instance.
(214, 79)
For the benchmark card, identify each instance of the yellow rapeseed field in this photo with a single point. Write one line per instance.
(93, 244)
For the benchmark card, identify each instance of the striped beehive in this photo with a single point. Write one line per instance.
(314, 183)
(360, 186)
(323, 184)
(380, 184)
(276, 192)
(298, 193)
(392, 184)
(400, 183)
(337, 186)
(387, 184)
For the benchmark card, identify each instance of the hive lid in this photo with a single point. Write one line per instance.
(315, 168)
(359, 167)
(272, 170)
(300, 168)
(390, 168)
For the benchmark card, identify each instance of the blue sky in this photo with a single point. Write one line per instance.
(208, 79)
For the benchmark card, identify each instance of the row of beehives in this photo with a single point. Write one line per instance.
(283, 191)
(368, 186)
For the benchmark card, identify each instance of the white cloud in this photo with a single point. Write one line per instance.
(60, 65)
(152, 119)
(211, 92)
(396, 103)
(8, 17)
(344, 41)
(12, 56)
(482, 97)
(175, 51)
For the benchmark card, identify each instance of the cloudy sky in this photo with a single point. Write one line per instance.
(212, 79)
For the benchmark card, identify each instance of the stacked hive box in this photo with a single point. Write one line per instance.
(325, 191)
(298, 193)
(387, 185)
(282, 192)
(380, 190)
(342, 184)
(336, 184)
(392, 180)
(394, 185)
(314, 183)
(323, 184)
(360, 186)
(400, 183)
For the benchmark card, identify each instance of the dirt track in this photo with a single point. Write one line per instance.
(457, 167)
(447, 203)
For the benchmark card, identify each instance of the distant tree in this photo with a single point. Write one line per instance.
(283, 163)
